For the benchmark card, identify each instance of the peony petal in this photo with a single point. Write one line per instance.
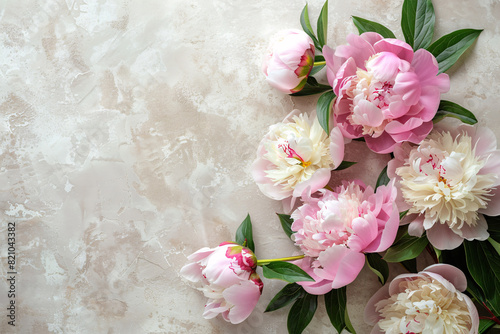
(493, 208)
(416, 227)
(367, 113)
(336, 146)
(319, 286)
(213, 308)
(340, 264)
(385, 66)
(408, 86)
(364, 232)
(382, 144)
(478, 232)
(387, 235)
(319, 179)
(442, 237)
(450, 273)
(358, 49)
(395, 46)
(192, 272)
(244, 297)
(371, 316)
(283, 80)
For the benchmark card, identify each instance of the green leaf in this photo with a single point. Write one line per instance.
(383, 179)
(485, 324)
(322, 24)
(450, 109)
(494, 227)
(438, 253)
(316, 69)
(410, 265)
(286, 223)
(348, 323)
(244, 233)
(285, 271)
(301, 313)
(364, 25)
(345, 164)
(324, 108)
(312, 87)
(306, 25)
(495, 245)
(378, 266)
(417, 23)
(335, 303)
(288, 294)
(450, 47)
(403, 214)
(406, 248)
(483, 263)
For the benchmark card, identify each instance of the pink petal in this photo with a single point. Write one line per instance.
(399, 48)
(389, 231)
(429, 101)
(364, 232)
(425, 66)
(192, 272)
(416, 227)
(336, 146)
(408, 86)
(244, 297)
(485, 140)
(478, 232)
(358, 49)
(382, 144)
(319, 286)
(319, 179)
(473, 314)
(332, 64)
(452, 274)
(201, 254)
(367, 113)
(492, 166)
(371, 316)
(442, 237)
(340, 264)
(213, 308)
(283, 80)
(493, 208)
(386, 65)
(347, 69)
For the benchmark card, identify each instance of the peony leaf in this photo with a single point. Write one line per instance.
(406, 248)
(324, 108)
(322, 24)
(364, 25)
(312, 87)
(286, 223)
(244, 234)
(485, 325)
(417, 23)
(450, 47)
(378, 266)
(335, 304)
(410, 265)
(301, 313)
(288, 294)
(483, 263)
(383, 179)
(285, 271)
(450, 109)
(403, 214)
(345, 164)
(316, 69)
(494, 227)
(306, 25)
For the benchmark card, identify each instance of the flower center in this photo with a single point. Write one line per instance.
(425, 305)
(441, 180)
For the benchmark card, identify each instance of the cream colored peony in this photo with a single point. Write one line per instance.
(447, 183)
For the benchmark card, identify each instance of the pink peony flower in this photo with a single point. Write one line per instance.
(289, 61)
(229, 280)
(447, 183)
(335, 228)
(428, 302)
(296, 154)
(386, 93)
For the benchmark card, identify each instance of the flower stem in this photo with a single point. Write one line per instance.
(493, 317)
(290, 258)
(319, 63)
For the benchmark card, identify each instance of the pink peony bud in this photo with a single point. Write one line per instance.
(289, 61)
(229, 280)
(428, 302)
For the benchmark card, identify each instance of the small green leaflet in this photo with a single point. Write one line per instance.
(301, 313)
(324, 108)
(288, 294)
(406, 248)
(345, 164)
(286, 223)
(383, 179)
(417, 23)
(485, 324)
(450, 47)
(450, 109)
(244, 232)
(306, 25)
(316, 69)
(336, 308)
(378, 266)
(285, 271)
(364, 25)
(312, 87)
(322, 24)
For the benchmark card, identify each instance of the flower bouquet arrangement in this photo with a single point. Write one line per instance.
(436, 197)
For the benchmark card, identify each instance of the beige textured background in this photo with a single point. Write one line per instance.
(128, 129)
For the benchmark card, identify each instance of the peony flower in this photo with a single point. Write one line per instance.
(289, 61)
(229, 280)
(386, 93)
(335, 228)
(428, 302)
(296, 154)
(447, 183)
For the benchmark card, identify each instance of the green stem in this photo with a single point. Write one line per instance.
(290, 258)
(319, 63)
